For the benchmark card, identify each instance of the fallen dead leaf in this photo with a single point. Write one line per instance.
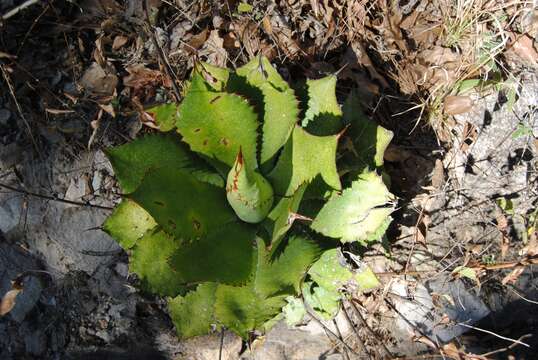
(523, 48)
(451, 350)
(143, 80)
(513, 275)
(454, 104)
(426, 341)
(119, 42)
(214, 50)
(470, 133)
(197, 41)
(98, 81)
(8, 300)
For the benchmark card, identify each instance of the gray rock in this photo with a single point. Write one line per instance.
(26, 299)
(35, 343)
(5, 115)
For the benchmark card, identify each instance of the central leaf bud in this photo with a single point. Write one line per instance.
(248, 192)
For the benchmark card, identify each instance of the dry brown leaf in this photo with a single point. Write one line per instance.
(513, 275)
(470, 133)
(143, 81)
(214, 50)
(451, 350)
(454, 104)
(197, 41)
(426, 341)
(119, 42)
(523, 48)
(8, 300)
(99, 81)
(277, 27)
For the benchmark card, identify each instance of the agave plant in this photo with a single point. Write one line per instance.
(237, 210)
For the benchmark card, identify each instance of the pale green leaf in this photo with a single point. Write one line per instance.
(182, 205)
(215, 76)
(365, 279)
(279, 220)
(277, 104)
(325, 303)
(330, 271)
(149, 260)
(323, 115)
(193, 314)
(294, 311)
(218, 124)
(128, 223)
(358, 212)
(248, 192)
(303, 158)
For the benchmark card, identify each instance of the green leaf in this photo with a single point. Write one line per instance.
(366, 279)
(332, 273)
(182, 205)
(248, 192)
(358, 212)
(278, 106)
(249, 307)
(193, 314)
(284, 274)
(149, 260)
(294, 311)
(128, 223)
(323, 115)
(328, 271)
(467, 272)
(325, 303)
(303, 158)
(244, 7)
(165, 116)
(242, 310)
(217, 124)
(223, 256)
(279, 220)
(215, 76)
(132, 161)
(368, 140)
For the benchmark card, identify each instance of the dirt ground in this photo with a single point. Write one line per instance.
(455, 80)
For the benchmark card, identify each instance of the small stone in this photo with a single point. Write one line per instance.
(103, 335)
(122, 269)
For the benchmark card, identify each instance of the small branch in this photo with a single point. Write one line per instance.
(6, 77)
(496, 335)
(336, 337)
(52, 198)
(19, 8)
(160, 51)
(509, 347)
